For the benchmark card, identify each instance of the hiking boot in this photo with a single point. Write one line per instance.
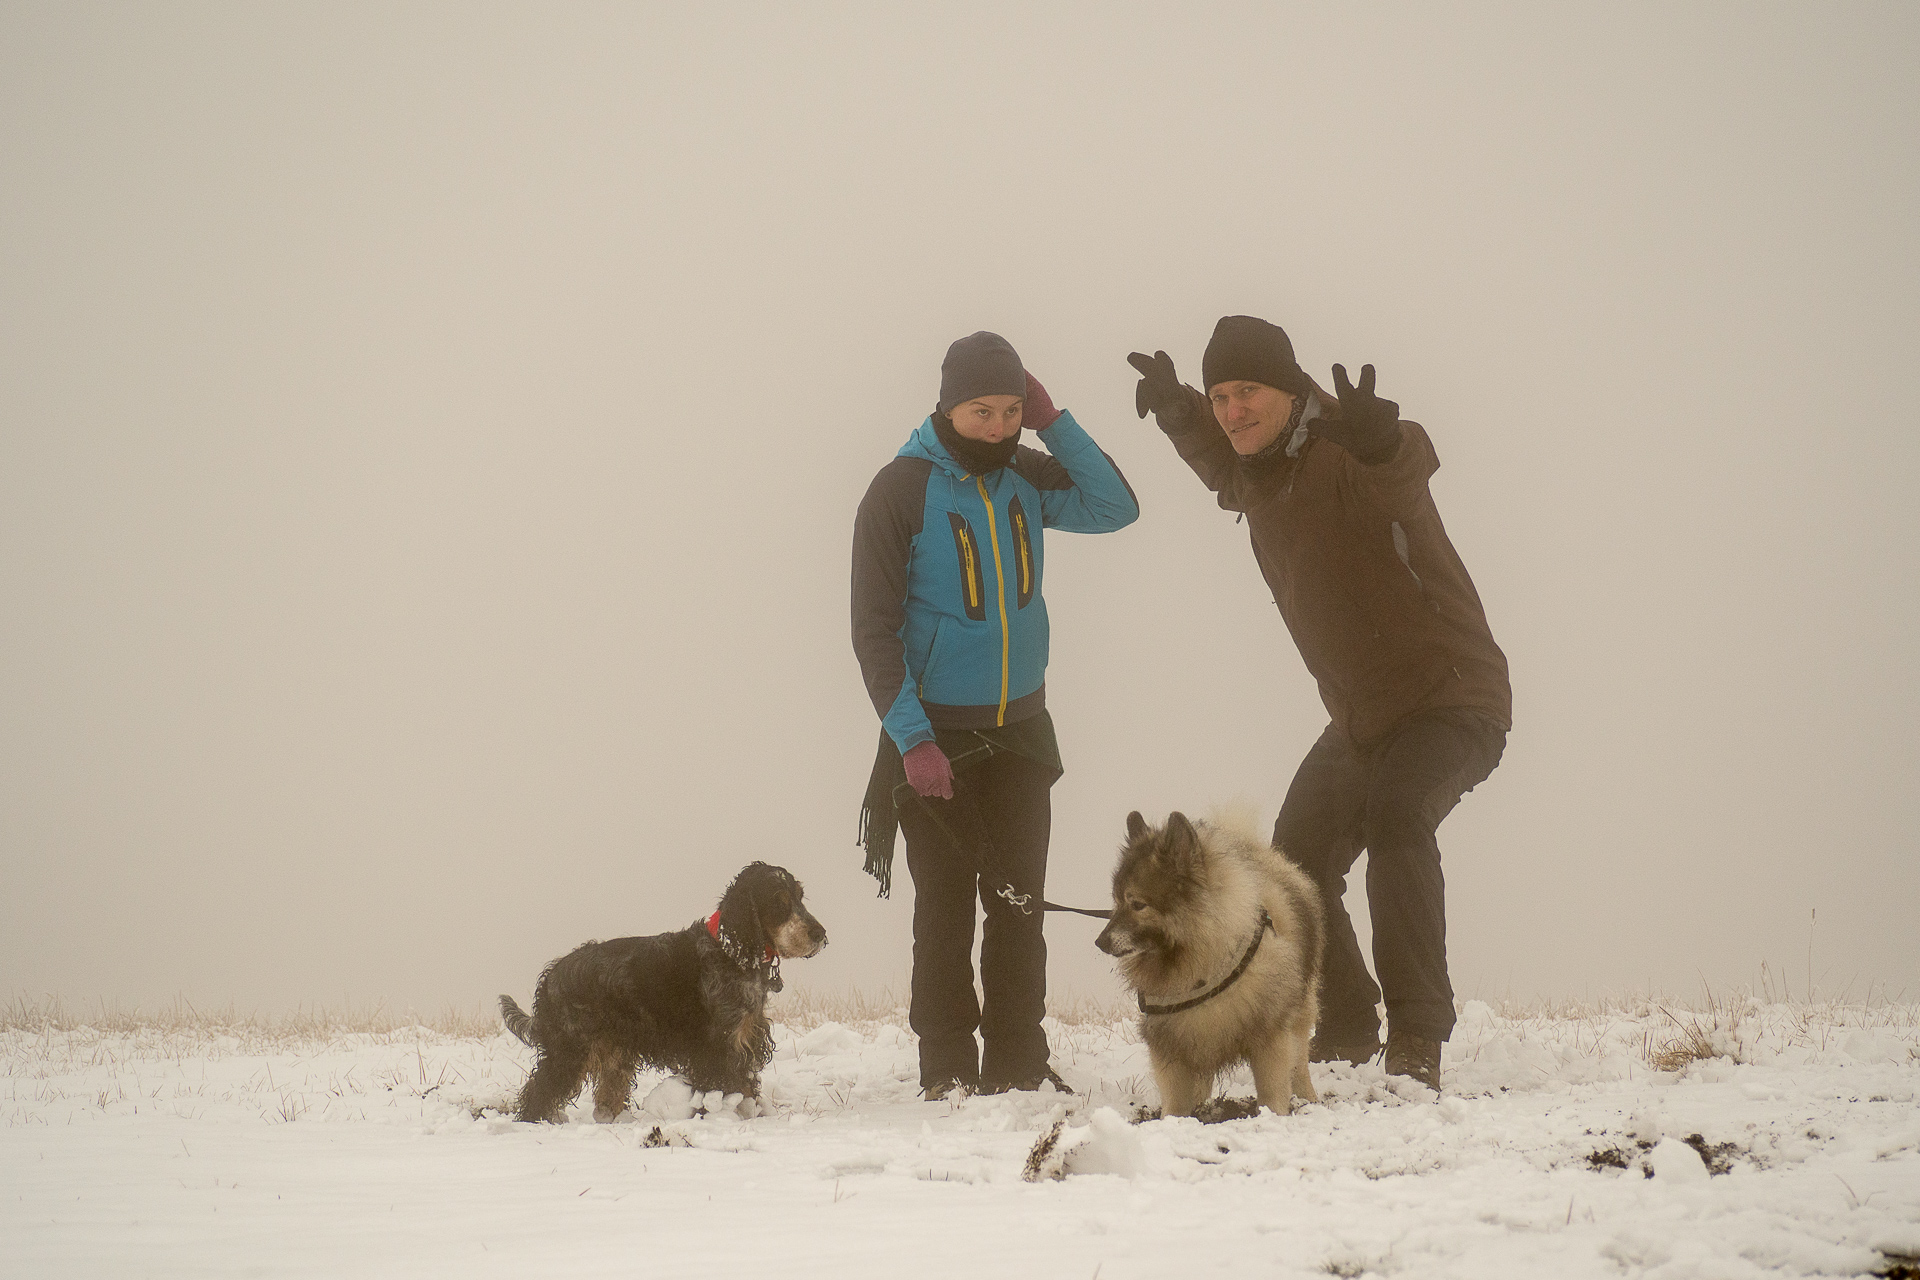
(1356, 1053)
(1414, 1057)
(1027, 1084)
(952, 1089)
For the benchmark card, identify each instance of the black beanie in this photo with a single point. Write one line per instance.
(980, 364)
(1248, 348)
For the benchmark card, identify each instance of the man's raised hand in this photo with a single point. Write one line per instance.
(1159, 390)
(1368, 427)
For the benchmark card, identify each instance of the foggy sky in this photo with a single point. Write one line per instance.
(430, 437)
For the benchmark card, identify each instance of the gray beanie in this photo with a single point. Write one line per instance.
(980, 364)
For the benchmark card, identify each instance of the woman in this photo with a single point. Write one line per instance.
(950, 629)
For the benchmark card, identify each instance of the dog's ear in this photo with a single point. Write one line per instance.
(740, 908)
(776, 899)
(1182, 843)
(1136, 826)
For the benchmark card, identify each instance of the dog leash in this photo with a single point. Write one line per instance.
(1022, 902)
(1259, 933)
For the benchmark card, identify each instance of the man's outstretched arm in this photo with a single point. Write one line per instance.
(1187, 418)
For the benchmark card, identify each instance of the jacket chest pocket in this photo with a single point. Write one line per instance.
(973, 580)
(1022, 551)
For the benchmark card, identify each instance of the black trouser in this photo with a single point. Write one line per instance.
(1002, 811)
(1388, 800)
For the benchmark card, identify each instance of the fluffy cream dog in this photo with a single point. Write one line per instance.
(1218, 935)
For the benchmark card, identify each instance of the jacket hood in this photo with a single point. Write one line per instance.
(1329, 402)
(925, 443)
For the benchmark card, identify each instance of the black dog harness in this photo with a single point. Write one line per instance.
(1260, 932)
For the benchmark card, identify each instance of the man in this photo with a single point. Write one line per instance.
(950, 628)
(1334, 490)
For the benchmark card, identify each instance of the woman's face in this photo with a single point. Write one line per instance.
(989, 419)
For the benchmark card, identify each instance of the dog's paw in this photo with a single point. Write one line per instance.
(717, 1104)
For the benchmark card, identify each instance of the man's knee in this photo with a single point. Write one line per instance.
(1326, 860)
(1397, 828)
(1318, 826)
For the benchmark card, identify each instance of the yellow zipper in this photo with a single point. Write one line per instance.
(1000, 580)
(966, 542)
(1026, 568)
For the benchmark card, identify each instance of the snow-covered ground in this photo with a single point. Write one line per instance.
(181, 1147)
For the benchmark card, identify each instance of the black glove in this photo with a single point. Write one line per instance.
(1368, 427)
(1159, 389)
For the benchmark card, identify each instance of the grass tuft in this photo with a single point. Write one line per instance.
(50, 1014)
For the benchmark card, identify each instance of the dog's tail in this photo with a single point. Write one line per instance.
(517, 1021)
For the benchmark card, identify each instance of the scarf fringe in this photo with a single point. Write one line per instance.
(879, 863)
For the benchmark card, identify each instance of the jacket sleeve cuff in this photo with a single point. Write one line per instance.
(906, 720)
(1390, 451)
(1179, 420)
(913, 739)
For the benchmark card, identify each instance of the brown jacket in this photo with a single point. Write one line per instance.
(1376, 597)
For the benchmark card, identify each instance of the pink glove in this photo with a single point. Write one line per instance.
(1038, 413)
(928, 770)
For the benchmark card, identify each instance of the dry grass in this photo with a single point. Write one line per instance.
(799, 1007)
(184, 1060)
(1729, 1023)
(803, 1008)
(32, 1016)
(1671, 1032)
(1697, 1040)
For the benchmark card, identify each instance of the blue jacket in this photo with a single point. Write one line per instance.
(949, 623)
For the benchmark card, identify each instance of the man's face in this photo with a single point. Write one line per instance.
(989, 419)
(1252, 414)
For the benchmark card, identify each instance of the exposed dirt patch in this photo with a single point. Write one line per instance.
(1215, 1110)
(1719, 1157)
(658, 1137)
(1212, 1111)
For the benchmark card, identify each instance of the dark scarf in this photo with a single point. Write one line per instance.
(1277, 447)
(977, 456)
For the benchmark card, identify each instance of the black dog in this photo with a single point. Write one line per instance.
(692, 1002)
